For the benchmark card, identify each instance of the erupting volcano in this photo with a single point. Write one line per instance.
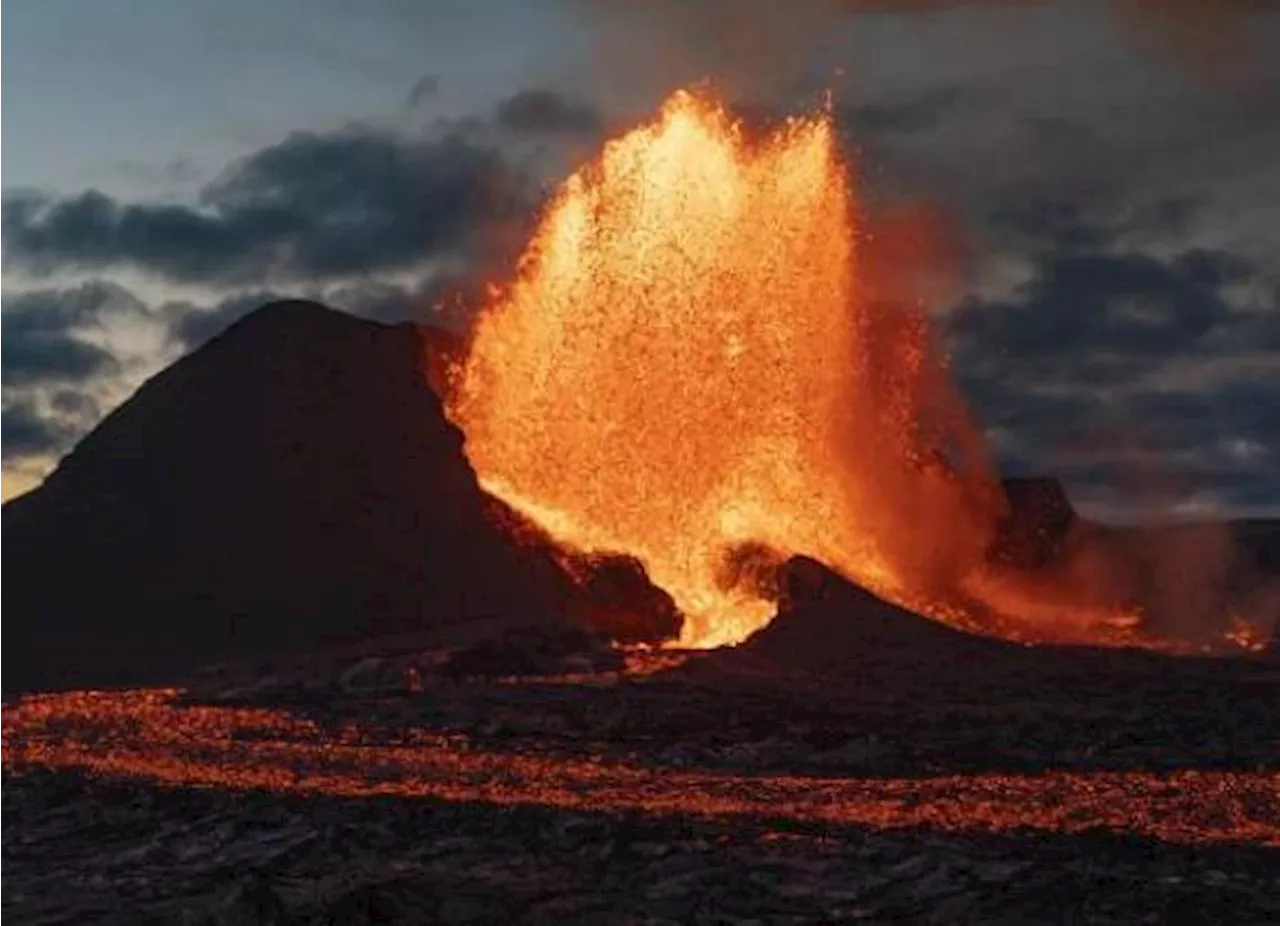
(689, 369)
(711, 359)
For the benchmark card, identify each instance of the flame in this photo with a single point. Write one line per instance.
(1246, 636)
(686, 365)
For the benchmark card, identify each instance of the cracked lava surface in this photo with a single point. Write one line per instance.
(149, 735)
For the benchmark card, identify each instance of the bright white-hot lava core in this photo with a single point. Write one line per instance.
(687, 366)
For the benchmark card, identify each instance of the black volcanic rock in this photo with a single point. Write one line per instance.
(1034, 531)
(534, 651)
(826, 623)
(292, 484)
(618, 599)
(609, 593)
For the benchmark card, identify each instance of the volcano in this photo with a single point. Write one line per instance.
(694, 376)
(289, 486)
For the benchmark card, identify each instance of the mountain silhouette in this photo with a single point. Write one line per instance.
(292, 484)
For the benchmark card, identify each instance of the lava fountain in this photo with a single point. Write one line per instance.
(686, 366)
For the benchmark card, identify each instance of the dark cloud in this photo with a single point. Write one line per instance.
(1226, 425)
(49, 372)
(447, 298)
(311, 207)
(546, 112)
(1043, 222)
(1110, 364)
(76, 405)
(391, 302)
(41, 345)
(192, 325)
(1129, 303)
(1039, 223)
(25, 433)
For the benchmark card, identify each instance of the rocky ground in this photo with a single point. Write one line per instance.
(390, 789)
(81, 851)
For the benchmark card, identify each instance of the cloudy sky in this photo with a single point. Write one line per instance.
(1111, 169)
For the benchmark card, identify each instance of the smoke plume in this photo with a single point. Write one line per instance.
(760, 48)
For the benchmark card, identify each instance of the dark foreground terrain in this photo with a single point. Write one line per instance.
(392, 790)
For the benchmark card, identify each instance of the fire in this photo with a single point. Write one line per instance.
(688, 364)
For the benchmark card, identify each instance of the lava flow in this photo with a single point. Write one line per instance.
(150, 735)
(687, 366)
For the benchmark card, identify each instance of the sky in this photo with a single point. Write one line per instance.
(1110, 172)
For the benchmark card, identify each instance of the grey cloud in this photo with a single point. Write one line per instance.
(1230, 425)
(311, 207)
(429, 300)
(192, 325)
(26, 433)
(1064, 371)
(40, 343)
(75, 405)
(49, 372)
(1131, 303)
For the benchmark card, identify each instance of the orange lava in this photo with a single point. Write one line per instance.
(688, 363)
(146, 735)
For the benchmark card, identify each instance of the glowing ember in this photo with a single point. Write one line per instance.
(150, 736)
(686, 365)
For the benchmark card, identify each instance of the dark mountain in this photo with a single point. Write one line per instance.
(293, 484)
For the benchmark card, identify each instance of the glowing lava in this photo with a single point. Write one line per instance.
(687, 364)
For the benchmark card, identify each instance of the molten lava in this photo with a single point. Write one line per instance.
(687, 365)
